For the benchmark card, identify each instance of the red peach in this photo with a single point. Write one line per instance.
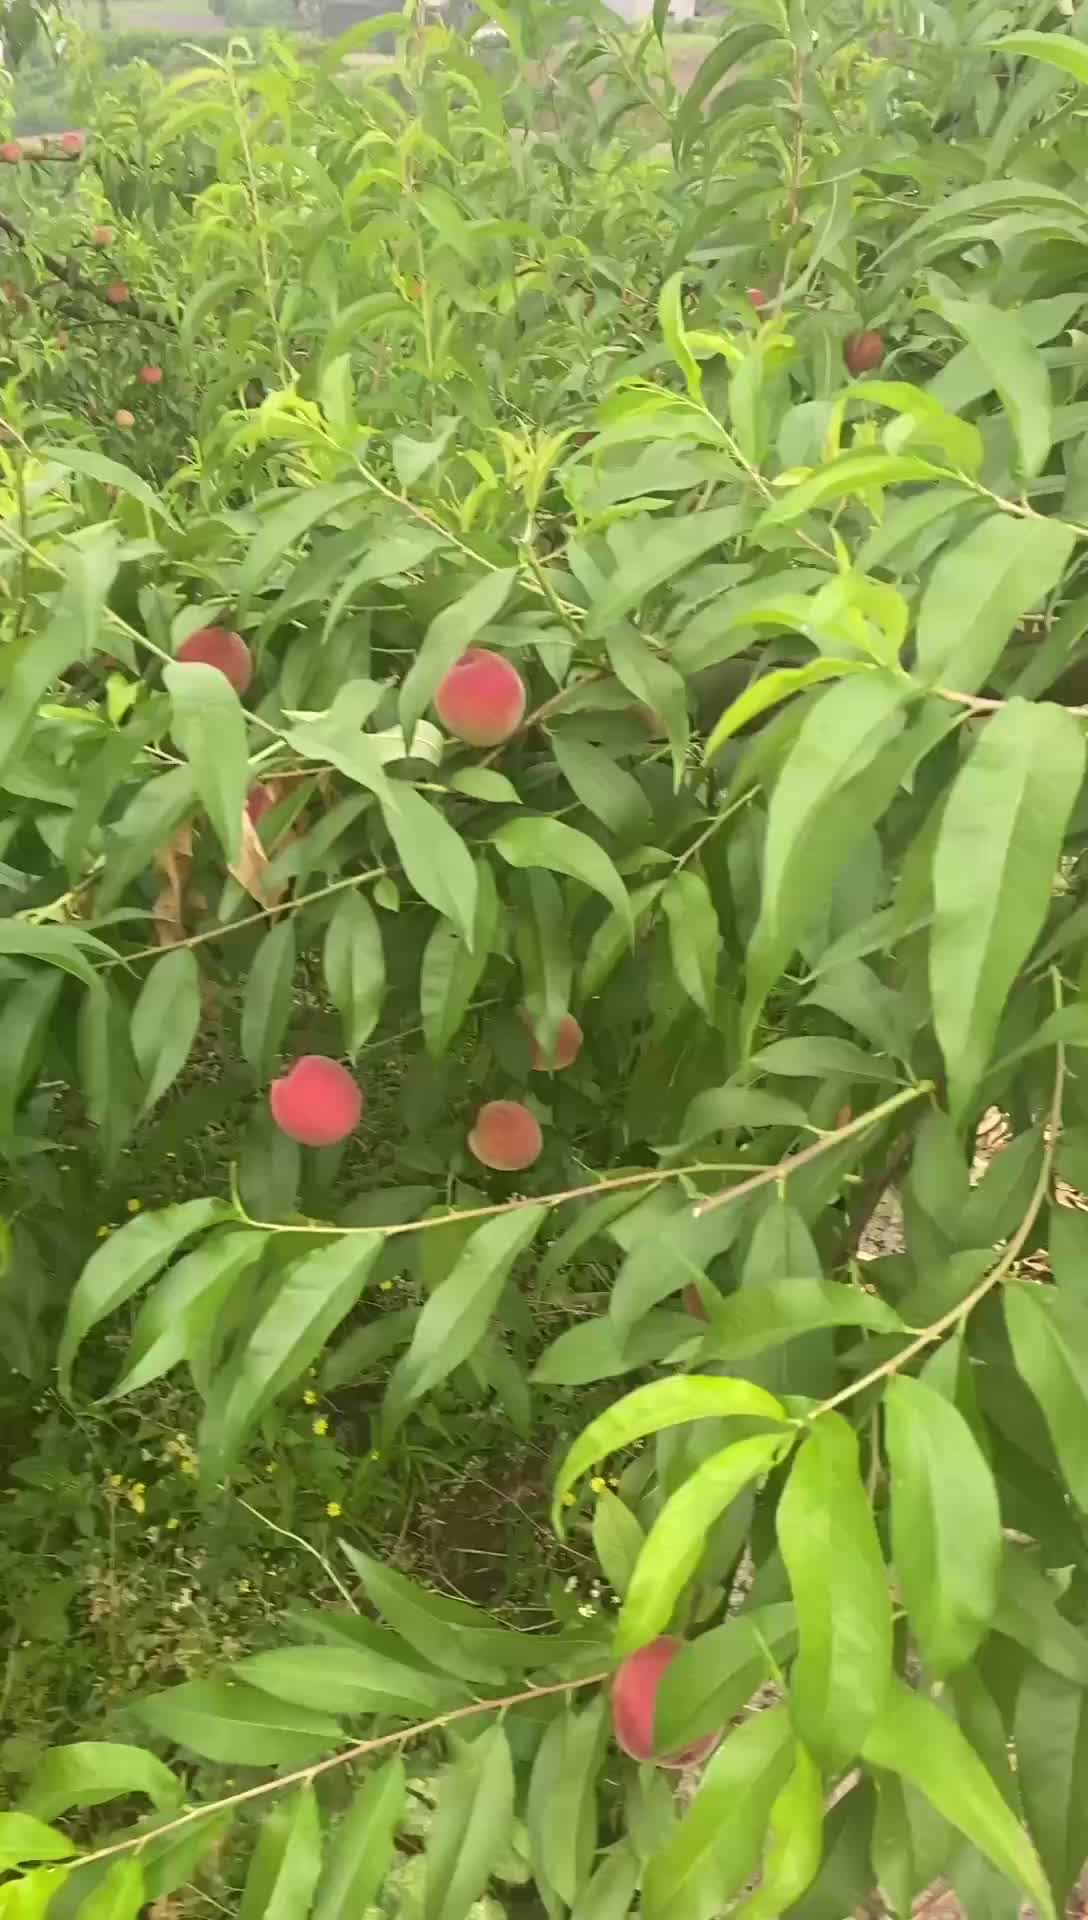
(259, 800)
(506, 1136)
(568, 1045)
(220, 647)
(123, 418)
(317, 1103)
(117, 293)
(73, 142)
(634, 1702)
(11, 151)
(101, 236)
(150, 376)
(481, 699)
(757, 298)
(693, 1301)
(863, 352)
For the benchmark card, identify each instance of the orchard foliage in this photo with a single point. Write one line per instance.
(595, 604)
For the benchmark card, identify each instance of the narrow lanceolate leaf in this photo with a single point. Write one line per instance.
(123, 1264)
(457, 1314)
(946, 1524)
(618, 1540)
(178, 1317)
(361, 1848)
(348, 1680)
(756, 1318)
(562, 1809)
(1051, 1735)
(286, 1861)
(1049, 1335)
(652, 1409)
(266, 1007)
(832, 1553)
(667, 550)
(611, 1891)
(993, 869)
(39, 658)
(771, 689)
(119, 1894)
(978, 591)
(471, 1828)
(695, 938)
(603, 787)
(714, 1675)
(446, 639)
(454, 1636)
(435, 859)
(209, 727)
(24, 1838)
(306, 1307)
(354, 962)
(165, 1021)
(912, 1737)
(93, 1771)
(237, 1726)
(678, 1536)
(1016, 370)
(451, 968)
(795, 1843)
(717, 1843)
(549, 843)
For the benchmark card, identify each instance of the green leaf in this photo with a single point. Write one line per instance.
(829, 1543)
(656, 683)
(71, 630)
(810, 1056)
(714, 1675)
(618, 1540)
(485, 783)
(287, 523)
(609, 1894)
(305, 1307)
(165, 1021)
(348, 1680)
(62, 947)
(237, 1726)
(457, 1315)
(913, 1738)
(269, 996)
(286, 1861)
(112, 473)
(1051, 1735)
(771, 689)
(446, 639)
(997, 851)
(678, 1536)
(978, 591)
(695, 938)
(210, 728)
(1049, 1336)
(597, 1350)
(653, 1408)
(354, 962)
(1028, 1614)
(86, 1774)
(666, 551)
(562, 849)
(1056, 49)
(603, 787)
(361, 1850)
(717, 1843)
(858, 471)
(755, 1318)
(561, 1814)
(720, 1109)
(119, 1894)
(795, 1843)
(1015, 369)
(25, 1020)
(179, 1316)
(473, 1821)
(946, 1524)
(24, 1838)
(452, 1635)
(435, 859)
(123, 1264)
(670, 318)
(451, 970)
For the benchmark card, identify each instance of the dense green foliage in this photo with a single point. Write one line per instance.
(459, 349)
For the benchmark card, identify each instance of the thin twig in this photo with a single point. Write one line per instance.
(807, 1154)
(307, 1547)
(248, 920)
(303, 1775)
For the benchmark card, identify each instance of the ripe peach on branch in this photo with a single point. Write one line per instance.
(317, 1102)
(481, 699)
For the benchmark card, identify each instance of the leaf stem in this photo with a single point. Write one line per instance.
(248, 920)
(819, 1147)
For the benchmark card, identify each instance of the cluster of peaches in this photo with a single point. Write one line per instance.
(481, 701)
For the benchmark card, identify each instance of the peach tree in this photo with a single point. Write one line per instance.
(593, 607)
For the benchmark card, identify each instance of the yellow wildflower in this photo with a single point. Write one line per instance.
(103, 1233)
(385, 1286)
(334, 1509)
(599, 1484)
(320, 1427)
(173, 1523)
(133, 1206)
(309, 1398)
(135, 1496)
(568, 1499)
